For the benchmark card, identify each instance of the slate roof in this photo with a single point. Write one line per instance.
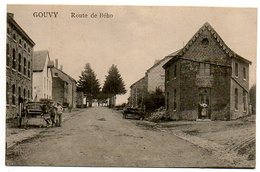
(39, 59)
(62, 75)
(216, 36)
(219, 40)
(159, 62)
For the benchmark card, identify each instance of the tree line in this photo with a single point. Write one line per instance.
(90, 85)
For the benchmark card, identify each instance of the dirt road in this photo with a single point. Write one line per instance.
(101, 137)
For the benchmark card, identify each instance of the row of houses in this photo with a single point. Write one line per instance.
(205, 71)
(31, 76)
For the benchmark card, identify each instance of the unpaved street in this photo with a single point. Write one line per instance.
(101, 137)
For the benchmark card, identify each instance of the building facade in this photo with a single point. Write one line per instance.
(63, 88)
(19, 60)
(206, 79)
(42, 75)
(156, 75)
(137, 92)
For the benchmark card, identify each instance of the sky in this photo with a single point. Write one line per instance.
(133, 38)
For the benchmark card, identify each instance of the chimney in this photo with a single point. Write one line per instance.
(61, 67)
(56, 63)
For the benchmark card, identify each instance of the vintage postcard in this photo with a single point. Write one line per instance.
(130, 86)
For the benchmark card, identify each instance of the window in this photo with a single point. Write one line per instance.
(245, 100)
(24, 93)
(14, 60)
(167, 75)
(8, 31)
(29, 69)
(236, 69)
(7, 54)
(205, 42)
(28, 94)
(24, 66)
(236, 98)
(20, 41)
(24, 45)
(244, 72)
(29, 49)
(19, 94)
(14, 36)
(20, 62)
(204, 69)
(175, 71)
(13, 94)
(7, 93)
(175, 99)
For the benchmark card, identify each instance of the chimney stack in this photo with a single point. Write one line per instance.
(56, 63)
(61, 67)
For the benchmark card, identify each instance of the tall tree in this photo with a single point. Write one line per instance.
(88, 83)
(114, 85)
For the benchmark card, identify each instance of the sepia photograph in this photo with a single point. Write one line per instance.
(130, 86)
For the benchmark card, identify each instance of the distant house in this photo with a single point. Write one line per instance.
(63, 87)
(137, 92)
(42, 75)
(206, 74)
(156, 75)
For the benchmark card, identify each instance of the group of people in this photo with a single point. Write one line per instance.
(55, 115)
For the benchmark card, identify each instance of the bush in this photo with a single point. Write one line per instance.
(153, 101)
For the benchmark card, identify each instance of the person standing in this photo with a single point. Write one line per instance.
(59, 114)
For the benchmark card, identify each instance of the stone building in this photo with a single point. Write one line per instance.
(19, 60)
(137, 92)
(206, 74)
(42, 75)
(156, 75)
(63, 87)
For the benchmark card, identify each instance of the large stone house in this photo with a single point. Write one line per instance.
(63, 88)
(206, 74)
(42, 75)
(19, 53)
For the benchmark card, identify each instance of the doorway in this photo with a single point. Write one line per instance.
(204, 103)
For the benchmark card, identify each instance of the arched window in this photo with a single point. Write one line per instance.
(24, 66)
(19, 94)
(29, 69)
(175, 99)
(14, 60)
(7, 54)
(13, 94)
(19, 62)
(236, 98)
(7, 93)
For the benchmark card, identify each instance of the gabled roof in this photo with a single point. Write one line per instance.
(62, 75)
(137, 81)
(219, 40)
(39, 59)
(159, 62)
(221, 43)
